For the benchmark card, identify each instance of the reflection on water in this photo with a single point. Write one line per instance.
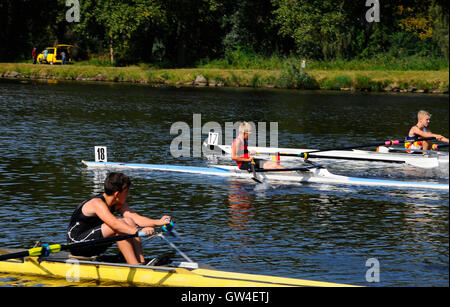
(39, 281)
(239, 206)
(312, 231)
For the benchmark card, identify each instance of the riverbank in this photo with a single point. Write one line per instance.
(370, 80)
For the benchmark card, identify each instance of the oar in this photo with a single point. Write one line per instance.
(429, 151)
(169, 228)
(439, 146)
(301, 169)
(305, 155)
(175, 248)
(47, 249)
(253, 169)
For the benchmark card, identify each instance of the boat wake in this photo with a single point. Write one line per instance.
(264, 187)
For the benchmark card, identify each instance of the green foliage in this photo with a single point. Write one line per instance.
(362, 82)
(220, 79)
(338, 82)
(255, 81)
(317, 27)
(439, 13)
(165, 75)
(294, 77)
(119, 25)
(242, 58)
(262, 34)
(392, 60)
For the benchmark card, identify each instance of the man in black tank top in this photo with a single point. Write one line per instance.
(94, 219)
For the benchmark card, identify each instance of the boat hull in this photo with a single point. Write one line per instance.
(434, 160)
(315, 175)
(75, 270)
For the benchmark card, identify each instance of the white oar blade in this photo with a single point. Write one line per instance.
(429, 163)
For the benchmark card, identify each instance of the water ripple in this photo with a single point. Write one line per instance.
(299, 230)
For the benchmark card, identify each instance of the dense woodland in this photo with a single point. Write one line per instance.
(183, 33)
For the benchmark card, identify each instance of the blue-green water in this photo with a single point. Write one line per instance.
(318, 232)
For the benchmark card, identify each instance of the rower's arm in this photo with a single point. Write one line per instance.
(234, 155)
(428, 134)
(143, 221)
(119, 226)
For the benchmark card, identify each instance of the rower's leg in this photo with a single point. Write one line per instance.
(126, 247)
(272, 165)
(135, 242)
(427, 145)
(137, 247)
(131, 249)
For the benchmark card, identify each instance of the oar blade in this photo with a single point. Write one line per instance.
(429, 163)
(256, 180)
(253, 169)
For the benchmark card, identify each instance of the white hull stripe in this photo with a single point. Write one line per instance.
(314, 176)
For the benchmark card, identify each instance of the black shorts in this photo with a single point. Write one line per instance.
(89, 251)
(247, 166)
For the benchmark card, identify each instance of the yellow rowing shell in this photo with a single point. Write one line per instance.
(138, 275)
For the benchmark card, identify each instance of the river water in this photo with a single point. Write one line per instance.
(327, 233)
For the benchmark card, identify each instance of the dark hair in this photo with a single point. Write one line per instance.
(116, 182)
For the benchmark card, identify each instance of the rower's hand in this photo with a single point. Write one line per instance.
(164, 220)
(444, 139)
(148, 230)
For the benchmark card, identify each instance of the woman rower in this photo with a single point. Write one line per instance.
(241, 155)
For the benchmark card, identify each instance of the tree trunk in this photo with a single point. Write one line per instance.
(181, 52)
(111, 50)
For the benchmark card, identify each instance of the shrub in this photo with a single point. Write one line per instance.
(362, 82)
(339, 81)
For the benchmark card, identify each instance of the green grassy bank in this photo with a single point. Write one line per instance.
(291, 77)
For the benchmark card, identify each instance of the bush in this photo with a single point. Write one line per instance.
(293, 77)
(255, 80)
(362, 82)
(338, 82)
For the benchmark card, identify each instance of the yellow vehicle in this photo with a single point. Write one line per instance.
(53, 55)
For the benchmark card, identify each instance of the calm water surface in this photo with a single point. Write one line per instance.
(311, 231)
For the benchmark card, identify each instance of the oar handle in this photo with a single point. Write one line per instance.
(439, 146)
(141, 234)
(168, 227)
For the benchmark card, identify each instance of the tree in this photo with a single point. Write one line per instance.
(317, 27)
(193, 29)
(248, 25)
(26, 24)
(118, 23)
(440, 16)
(181, 32)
